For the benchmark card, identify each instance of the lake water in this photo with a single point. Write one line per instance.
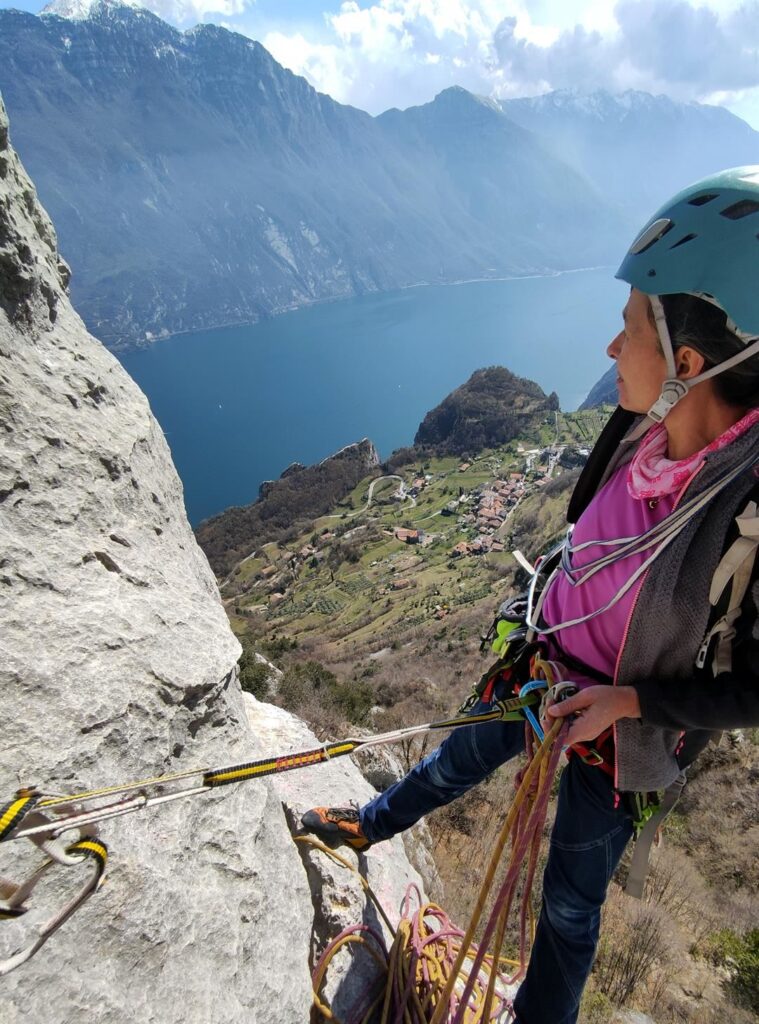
(240, 404)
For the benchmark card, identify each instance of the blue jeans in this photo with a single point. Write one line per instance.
(587, 841)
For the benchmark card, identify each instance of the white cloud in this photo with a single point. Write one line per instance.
(190, 12)
(329, 68)
(381, 53)
(401, 52)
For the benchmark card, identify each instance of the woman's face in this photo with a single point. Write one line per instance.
(641, 366)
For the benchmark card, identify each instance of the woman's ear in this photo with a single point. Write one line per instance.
(689, 362)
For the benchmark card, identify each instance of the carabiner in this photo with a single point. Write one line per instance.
(88, 848)
(534, 684)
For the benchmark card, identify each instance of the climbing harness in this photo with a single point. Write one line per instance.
(43, 819)
(511, 667)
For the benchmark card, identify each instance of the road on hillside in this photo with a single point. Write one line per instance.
(342, 515)
(370, 495)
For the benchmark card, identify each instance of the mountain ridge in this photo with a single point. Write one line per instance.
(196, 183)
(636, 148)
(201, 184)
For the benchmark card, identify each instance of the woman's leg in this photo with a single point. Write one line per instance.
(588, 839)
(462, 760)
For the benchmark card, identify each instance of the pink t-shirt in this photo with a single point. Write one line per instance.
(612, 513)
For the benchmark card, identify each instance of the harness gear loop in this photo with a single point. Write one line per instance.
(513, 650)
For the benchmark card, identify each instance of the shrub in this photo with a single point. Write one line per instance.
(595, 1008)
(353, 699)
(740, 954)
(309, 686)
(630, 946)
(275, 647)
(254, 674)
(303, 681)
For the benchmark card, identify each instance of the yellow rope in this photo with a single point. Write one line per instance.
(534, 765)
(310, 841)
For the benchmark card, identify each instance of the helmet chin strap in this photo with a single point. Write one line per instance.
(673, 389)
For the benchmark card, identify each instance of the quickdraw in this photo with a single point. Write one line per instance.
(44, 819)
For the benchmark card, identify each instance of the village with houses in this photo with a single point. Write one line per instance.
(403, 548)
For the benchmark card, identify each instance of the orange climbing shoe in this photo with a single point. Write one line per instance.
(340, 823)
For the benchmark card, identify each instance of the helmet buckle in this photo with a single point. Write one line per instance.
(672, 390)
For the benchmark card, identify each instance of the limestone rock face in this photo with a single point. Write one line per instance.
(338, 894)
(118, 664)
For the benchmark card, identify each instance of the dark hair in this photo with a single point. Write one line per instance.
(702, 326)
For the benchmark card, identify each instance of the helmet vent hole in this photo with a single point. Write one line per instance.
(742, 209)
(651, 235)
(683, 240)
(702, 200)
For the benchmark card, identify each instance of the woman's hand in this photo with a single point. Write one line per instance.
(596, 708)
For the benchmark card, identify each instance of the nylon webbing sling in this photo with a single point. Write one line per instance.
(636, 876)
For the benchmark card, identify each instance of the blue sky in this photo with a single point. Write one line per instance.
(381, 53)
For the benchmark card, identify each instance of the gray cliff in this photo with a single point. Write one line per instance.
(118, 663)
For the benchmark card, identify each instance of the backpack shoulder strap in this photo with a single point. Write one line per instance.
(734, 570)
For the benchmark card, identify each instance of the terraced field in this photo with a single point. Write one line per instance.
(348, 582)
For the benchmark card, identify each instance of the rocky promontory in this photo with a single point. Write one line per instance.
(493, 407)
(300, 494)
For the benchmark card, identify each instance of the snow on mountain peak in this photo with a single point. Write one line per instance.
(80, 10)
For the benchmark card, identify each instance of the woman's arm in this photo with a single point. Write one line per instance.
(727, 701)
(730, 701)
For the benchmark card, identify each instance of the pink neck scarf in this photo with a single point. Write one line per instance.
(652, 474)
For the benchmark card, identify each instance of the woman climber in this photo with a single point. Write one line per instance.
(653, 609)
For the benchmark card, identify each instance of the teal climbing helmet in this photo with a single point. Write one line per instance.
(705, 242)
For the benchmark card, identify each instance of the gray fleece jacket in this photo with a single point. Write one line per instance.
(682, 706)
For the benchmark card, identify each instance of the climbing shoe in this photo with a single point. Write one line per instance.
(341, 823)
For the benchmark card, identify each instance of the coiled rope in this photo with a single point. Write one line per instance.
(434, 973)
